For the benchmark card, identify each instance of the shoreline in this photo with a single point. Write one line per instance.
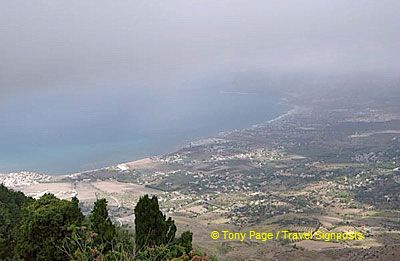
(127, 165)
(295, 109)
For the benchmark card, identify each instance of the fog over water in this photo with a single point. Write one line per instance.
(71, 132)
(88, 83)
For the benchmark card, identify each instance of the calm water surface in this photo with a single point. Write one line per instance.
(60, 132)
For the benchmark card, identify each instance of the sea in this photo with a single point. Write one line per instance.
(69, 130)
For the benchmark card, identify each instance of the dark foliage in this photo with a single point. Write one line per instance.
(53, 229)
(11, 203)
(44, 225)
(101, 224)
(151, 227)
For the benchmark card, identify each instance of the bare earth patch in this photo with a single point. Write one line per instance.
(61, 190)
(120, 187)
(319, 245)
(88, 191)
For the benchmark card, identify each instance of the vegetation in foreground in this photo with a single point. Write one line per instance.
(53, 229)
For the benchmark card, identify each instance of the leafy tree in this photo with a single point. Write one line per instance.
(151, 227)
(6, 231)
(186, 241)
(80, 245)
(54, 229)
(43, 227)
(11, 203)
(171, 230)
(75, 203)
(155, 235)
(101, 224)
(83, 245)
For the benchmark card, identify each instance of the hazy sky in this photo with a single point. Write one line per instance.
(167, 44)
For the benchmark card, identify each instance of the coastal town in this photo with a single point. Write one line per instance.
(315, 168)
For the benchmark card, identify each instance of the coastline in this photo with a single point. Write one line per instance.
(295, 109)
(128, 165)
